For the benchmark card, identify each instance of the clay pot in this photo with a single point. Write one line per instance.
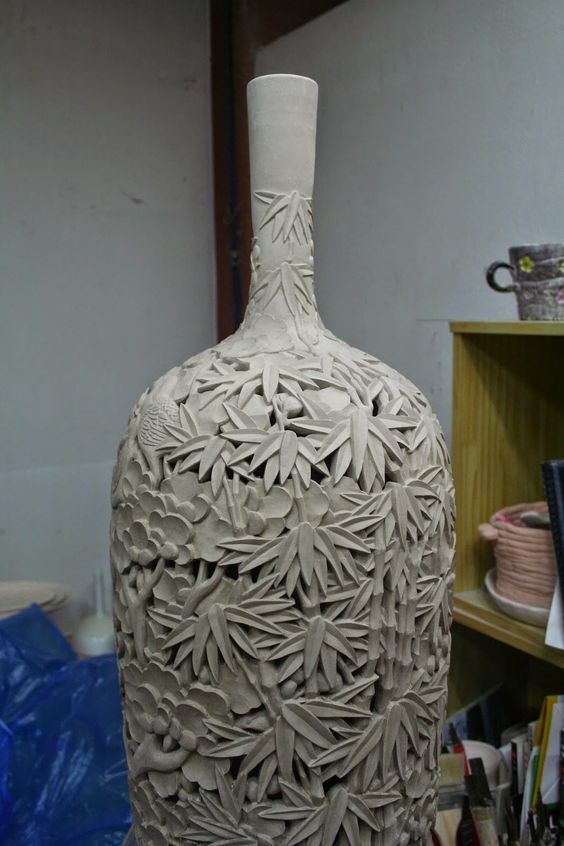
(525, 561)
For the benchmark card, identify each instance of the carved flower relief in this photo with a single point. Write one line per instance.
(267, 513)
(128, 452)
(174, 589)
(175, 581)
(136, 479)
(172, 818)
(247, 509)
(153, 677)
(154, 535)
(170, 739)
(186, 488)
(144, 808)
(152, 525)
(257, 514)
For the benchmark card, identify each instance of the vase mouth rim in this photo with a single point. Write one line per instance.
(258, 79)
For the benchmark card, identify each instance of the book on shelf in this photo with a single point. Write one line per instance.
(553, 478)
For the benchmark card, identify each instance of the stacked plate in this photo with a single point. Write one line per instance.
(17, 595)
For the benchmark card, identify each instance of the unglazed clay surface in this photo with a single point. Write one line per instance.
(282, 541)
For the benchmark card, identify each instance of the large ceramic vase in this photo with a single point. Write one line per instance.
(282, 544)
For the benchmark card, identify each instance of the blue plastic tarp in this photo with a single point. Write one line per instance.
(62, 763)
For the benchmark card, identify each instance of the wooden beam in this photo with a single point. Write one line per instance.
(238, 29)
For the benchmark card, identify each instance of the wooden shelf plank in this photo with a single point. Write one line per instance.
(514, 327)
(475, 609)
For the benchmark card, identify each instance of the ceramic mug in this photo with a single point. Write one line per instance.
(537, 271)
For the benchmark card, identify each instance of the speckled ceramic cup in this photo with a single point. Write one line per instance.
(537, 271)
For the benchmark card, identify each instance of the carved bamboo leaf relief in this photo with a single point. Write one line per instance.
(290, 214)
(282, 550)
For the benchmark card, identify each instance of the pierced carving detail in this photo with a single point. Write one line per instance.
(282, 542)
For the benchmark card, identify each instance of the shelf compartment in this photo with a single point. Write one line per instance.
(476, 610)
(508, 417)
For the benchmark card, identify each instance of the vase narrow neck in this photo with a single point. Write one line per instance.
(282, 124)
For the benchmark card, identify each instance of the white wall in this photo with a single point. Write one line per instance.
(440, 143)
(106, 245)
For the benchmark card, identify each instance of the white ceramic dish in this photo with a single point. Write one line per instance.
(20, 594)
(62, 597)
(17, 595)
(526, 613)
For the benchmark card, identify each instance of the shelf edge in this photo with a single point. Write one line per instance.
(473, 617)
(514, 327)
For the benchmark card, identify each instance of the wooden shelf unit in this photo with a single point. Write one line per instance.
(508, 417)
(476, 609)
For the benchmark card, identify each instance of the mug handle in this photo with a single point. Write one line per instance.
(487, 532)
(490, 277)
